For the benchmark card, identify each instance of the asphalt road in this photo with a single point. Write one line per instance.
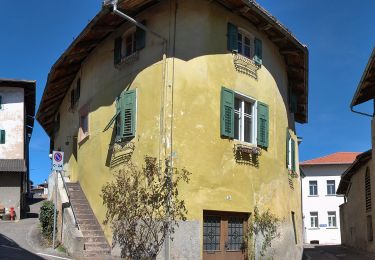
(18, 240)
(335, 252)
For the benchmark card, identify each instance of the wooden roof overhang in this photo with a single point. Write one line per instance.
(29, 94)
(105, 22)
(366, 87)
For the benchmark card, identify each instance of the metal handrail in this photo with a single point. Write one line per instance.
(70, 204)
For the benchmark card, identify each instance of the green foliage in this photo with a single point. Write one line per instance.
(264, 226)
(143, 206)
(46, 219)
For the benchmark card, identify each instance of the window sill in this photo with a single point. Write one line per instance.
(312, 195)
(332, 228)
(128, 59)
(331, 195)
(313, 228)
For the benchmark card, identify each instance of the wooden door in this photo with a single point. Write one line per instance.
(224, 236)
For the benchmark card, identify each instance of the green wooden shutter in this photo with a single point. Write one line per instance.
(1, 102)
(263, 124)
(293, 144)
(287, 148)
(140, 38)
(232, 37)
(2, 136)
(227, 113)
(129, 103)
(117, 51)
(258, 51)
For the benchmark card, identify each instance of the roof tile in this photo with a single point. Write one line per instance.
(335, 158)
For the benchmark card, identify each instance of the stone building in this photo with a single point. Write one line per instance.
(358, 182)
(212, 86)
(17, 110)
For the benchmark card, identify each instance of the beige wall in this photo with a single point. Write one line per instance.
(201, 66)
(12, 121)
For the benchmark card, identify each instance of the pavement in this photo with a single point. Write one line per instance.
(335, 252)
(21, 240)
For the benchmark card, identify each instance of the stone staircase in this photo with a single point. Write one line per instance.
(95, 246)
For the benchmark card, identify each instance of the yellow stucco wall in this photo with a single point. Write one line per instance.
(202, 65)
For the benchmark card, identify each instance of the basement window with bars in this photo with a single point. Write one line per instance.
(244, 118)
(368, 190)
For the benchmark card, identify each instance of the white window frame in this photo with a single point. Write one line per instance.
(314, 217)
(131, 31)
(332, 216)
(241, 122)
(290, 153)
(244, 33)
(334, 188)
(317, 193)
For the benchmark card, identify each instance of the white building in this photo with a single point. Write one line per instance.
(320, 204)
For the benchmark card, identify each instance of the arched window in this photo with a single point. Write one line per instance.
(368, 189)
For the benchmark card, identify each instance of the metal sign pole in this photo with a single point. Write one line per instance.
(54, 212)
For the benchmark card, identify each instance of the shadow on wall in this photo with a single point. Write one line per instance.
(11, 250)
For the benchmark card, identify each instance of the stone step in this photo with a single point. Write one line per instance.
(95, 233)
(89, 227)
(85, 216)
(97, 254)
(96, 245)
(95, 239)
(88, 222)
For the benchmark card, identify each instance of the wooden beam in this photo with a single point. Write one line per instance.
(87, 44)
(63, 79)
(265, 27)
(278, 39)
(290, 52)
(103, 28)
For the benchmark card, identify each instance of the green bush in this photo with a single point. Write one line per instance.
(46, 219)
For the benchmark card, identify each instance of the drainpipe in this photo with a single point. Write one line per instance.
(113, 5)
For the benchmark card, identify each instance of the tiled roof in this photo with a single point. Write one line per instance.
(12, 165)
(335, 158)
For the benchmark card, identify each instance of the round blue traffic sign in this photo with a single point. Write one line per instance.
(57, 157)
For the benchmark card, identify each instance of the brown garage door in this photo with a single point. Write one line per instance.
(224, 235)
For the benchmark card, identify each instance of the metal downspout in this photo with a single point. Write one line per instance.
(163, 115)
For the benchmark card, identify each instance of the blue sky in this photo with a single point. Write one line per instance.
(339, 34)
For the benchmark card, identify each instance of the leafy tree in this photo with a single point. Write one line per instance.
(143, 207)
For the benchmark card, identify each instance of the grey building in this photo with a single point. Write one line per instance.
(17, 110)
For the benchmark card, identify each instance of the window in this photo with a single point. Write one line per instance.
(129, 43)
(370, 233)
(211, 233)
(313, 185)
(235, 233)
(244, 114)
(290, 152)
(294, 227)
(243, 118)
(2, 136)
(331, 187)
(368, 190)
(83, 123)
(332, 219)
(75, 93)
(314, 222)
(242, 42)
(1, 102)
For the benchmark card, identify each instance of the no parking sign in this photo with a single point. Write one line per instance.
(57, 161)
